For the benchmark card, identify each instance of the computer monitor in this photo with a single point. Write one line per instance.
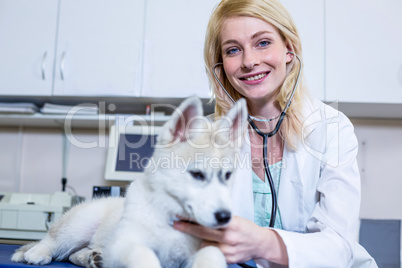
(130, 148)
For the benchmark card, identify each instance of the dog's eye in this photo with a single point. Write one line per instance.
(198, 175)
(227, 175)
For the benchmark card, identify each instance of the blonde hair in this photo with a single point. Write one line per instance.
(273, 12)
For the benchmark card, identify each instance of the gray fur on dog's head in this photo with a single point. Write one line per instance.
(194, 160)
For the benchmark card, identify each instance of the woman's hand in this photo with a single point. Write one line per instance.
(240, 241)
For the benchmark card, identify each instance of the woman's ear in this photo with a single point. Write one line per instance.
(289, 56)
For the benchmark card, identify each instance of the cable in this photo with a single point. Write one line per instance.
(63, 184)
(245, 265)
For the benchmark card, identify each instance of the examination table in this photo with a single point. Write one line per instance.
(7, 250)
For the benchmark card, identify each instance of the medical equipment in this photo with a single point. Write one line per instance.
(29, 216)
(265, 136)
(130, 148)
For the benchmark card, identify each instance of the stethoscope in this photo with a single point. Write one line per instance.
(265, 136)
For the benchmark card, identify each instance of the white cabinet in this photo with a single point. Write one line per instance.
(173, 48)
(99, 48)
(363, 51)
(27, 36)
(154, 48)
(309, 19)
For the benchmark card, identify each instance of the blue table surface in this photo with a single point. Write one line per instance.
(7, 250)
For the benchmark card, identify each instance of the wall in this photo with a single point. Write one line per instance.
(31, 161)
(380, 155)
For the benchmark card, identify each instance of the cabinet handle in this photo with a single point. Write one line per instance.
(400, 74)
(44, 65)
(62, 65)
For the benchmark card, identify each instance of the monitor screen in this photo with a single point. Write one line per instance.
(129, 151)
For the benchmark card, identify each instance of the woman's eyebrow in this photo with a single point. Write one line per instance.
(230, 41)
(257, 34)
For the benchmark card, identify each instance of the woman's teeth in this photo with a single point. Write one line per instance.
(256, 77)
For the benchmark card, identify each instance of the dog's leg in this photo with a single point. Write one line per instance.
(208, 257)
(89, 258)
(131, 257)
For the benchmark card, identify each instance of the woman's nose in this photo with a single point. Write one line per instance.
(250, 59)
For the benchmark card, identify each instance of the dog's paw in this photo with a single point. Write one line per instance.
(95, 260)
(38, 255)
(18, 256)
(209, 257)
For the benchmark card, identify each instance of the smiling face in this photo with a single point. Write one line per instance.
(254, 58)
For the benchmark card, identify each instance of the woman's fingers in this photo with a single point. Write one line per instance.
(199, 231)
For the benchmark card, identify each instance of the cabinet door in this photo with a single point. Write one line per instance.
(174, 43)
(99, 48)
(309, 19)
(27, 37)
(363, 55)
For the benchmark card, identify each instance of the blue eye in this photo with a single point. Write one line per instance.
(264, 43)
(232, 51)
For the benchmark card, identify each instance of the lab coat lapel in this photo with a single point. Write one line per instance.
(290, 194)
(292, 187)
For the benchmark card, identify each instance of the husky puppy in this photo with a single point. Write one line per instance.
(189, 176)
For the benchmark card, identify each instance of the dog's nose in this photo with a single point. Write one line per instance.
(223, 216)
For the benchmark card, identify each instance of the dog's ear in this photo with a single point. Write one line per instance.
(235, 122)
(175, 129)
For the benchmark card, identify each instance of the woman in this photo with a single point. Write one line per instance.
(312, 158)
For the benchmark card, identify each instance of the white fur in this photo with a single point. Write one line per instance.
(137, 232)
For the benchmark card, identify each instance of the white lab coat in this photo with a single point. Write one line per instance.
(319, 193)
